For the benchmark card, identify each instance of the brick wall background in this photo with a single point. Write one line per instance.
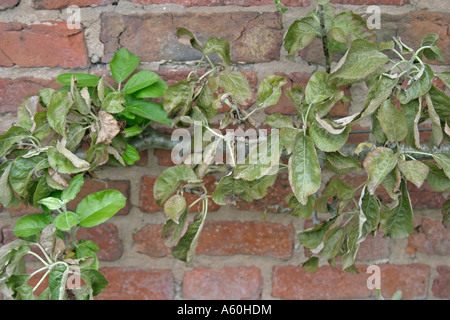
(242, 254)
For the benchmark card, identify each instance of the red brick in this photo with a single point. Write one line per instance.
(370, 2)
(228, 283)
(148, 240)
(13, 91)
(61, 4)
(254, 37)
(143, 158)
(412, 27)
(429, 237)
(8, 4)
(91, 186)
(51, 45)
(441, 285)
(246, 3)
(226, 238)
(285, 106)
(148, 202)
(137, 284)
(23, 209)
(292, 282)
(106, 236)
(164, 157)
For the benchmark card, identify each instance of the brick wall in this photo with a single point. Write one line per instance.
(242, 254)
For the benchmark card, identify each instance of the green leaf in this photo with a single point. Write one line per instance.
(187, 38)
(221, 47)
(83, 79)
(378, 163)
(296, 95)
(132, 131)
(300, 34)
(42, 191)
(178, 98)
(436, 178)
(123, 64)
(361, 59)
(42, 128)
(369, 215)
(170, 180)
(304, 169)
(140, 80)
(278, 121)
(332, 243)
(327, 141)
(230, 189)
(263, 159)
(443, 159)
(75, 134)
(66, 220)
(348, 259)
(32, 224)
(347, 27)
(433, 52)
(58, 109)
(418, 87)
(95, 280)
(98, 207)
(74, 188)
(57, 279)
(26, 111)
(414, 171)
(45, 95)
(311, 265)
(341, 164)
(185, 249)
(113, 102)
(392, 121)
(10, 137)
(22, 172)
(377, 94)
(287, 138)
(82, 100)
(445, 78)
(237, 85)
(131, 155)
(269, 91)
(412, 112)
(259, 187)
(7, 197)
(174, 207)
(172, 232)
(440, 103)
(399, 223)
(300, 211)
(148, 110)
(311, 238)
(156, 90)
(65, 165)
(24, 292)
(51, 203)
(318, 88)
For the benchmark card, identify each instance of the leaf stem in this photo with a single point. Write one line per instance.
(324, 37)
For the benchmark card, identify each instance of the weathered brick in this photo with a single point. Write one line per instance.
(23, 209)
(137, 284)
(412, 27)
(8, 4)
(148, 241)
(285, 106)
(61, 4)
(441, 285)
(246, 3)
(91, 186)
(292, 282)
(249, 238)
(143, 158)
(429, 237)
(370, 2)
(254, 37)
(52, 45)
(106, 236)
(13, 91)
(148, 202)
(228, 283)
